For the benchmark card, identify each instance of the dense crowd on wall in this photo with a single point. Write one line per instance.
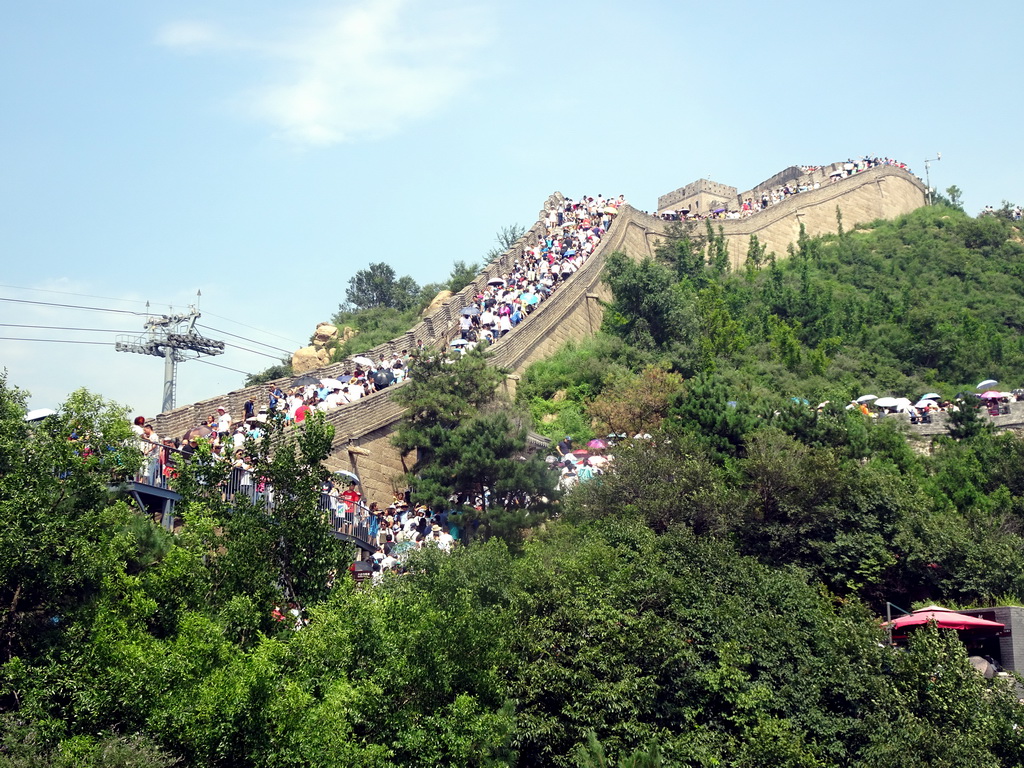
(751, 205)
(573, 230)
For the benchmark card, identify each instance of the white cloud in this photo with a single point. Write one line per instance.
(188, 34)
(358, 72)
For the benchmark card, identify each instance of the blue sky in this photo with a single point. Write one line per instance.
(262, 153)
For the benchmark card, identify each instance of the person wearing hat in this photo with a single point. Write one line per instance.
(223, 422)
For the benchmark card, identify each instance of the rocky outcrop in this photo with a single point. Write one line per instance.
(435, 305)
(309, 359)
(324, 334)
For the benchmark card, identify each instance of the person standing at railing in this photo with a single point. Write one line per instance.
(150, 444)
(374, 521)
(350, 498)
(168, 460)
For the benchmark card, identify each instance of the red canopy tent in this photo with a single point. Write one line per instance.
(944, 619)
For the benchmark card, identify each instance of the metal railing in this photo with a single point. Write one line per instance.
(349, 520)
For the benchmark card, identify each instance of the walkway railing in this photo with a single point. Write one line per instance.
(350, 521)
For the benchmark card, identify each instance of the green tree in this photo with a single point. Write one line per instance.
(462, 274)
(955, 195)
(377, 286)
(57, 508)
(469, 447)
(279, 371)
(505, 238)
(684, 251)
(649, 310)
(277, 544)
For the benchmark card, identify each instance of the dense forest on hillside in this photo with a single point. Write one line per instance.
(714, 601)
(730, 366)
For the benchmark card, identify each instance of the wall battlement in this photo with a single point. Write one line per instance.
(362, 442)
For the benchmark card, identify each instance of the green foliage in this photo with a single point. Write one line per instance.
(649, 310)
(466, 449)
(284, 552)
(955, 195)
(377, 286)
(374, 327)
(21, 748)
(462, 274)
(279, 371)
(505, 238)
(56, 508)
(705, 604)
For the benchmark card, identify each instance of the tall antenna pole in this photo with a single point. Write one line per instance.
(174, 338)
(927, 176)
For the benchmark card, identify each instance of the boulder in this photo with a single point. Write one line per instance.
(325, 333)
(434, 305)
(309, 359)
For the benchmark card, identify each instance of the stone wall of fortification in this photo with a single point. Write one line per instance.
(884, 192)
(363, 429)
(437, 327)
(700, 187)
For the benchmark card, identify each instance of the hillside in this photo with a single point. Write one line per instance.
(713, 600)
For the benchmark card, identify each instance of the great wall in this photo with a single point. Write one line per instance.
(362, 442)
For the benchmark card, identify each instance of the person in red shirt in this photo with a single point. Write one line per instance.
(350, 498)
(301, 411)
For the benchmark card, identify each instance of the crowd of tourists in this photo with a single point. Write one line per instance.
(573, 231)
(994, 402)
(751, 205)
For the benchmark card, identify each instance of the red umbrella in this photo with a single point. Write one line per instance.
(581, 452)
(944, 619)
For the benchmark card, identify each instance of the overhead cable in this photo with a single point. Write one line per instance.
(243, 338)
(253, 328)
(218, 365)
(73, 306)
(58, 341)
(63, 328)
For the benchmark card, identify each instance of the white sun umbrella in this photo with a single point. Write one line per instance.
(363, 361)
(986, 384)
(331, 383)
(866, 398)
(39, 414)
(886, 402)
(926, 403)
(902, 403)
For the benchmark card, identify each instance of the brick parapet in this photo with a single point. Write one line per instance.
(878, 193)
